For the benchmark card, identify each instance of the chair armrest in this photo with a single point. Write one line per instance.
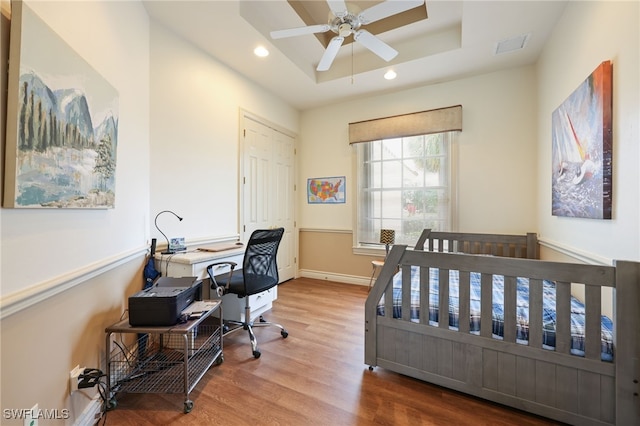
(232, 264)
(220, 290)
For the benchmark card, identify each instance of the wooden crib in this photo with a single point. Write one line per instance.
(585, 389)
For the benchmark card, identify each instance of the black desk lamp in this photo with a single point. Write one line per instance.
(168, 251)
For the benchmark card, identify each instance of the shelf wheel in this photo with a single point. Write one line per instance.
(188, 406)
(112, 404)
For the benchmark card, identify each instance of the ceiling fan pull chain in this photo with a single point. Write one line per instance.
(352, 64)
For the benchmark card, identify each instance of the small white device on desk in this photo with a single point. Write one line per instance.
(194, 263)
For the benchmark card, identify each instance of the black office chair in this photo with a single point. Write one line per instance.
(259, 273)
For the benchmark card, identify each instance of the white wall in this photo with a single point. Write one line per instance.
(496, 152)
(588, 34)
(66, 273)
(195, 109)
(43, 247)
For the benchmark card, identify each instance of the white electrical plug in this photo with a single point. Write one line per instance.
(74, 378)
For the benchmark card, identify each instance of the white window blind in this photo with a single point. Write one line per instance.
(405, 180)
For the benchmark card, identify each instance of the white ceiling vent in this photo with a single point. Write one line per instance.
(512, 44)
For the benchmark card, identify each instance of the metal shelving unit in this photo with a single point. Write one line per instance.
(163, 359)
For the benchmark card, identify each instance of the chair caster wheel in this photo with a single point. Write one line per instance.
(256, 354)
(370, 368)
(188, 406)
(284, 334)
(112, 404)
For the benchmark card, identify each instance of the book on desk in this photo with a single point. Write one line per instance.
(221, 247)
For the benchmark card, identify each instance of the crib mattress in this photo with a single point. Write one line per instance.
(522, 306)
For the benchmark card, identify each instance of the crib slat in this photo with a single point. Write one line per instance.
(494, 249)
(563, 317)
(424, 295)
(510, 309)
(593, 308)
(388, 301)
(486, 302)
(406, 294)
(443, 294)
(535, 313)
(464, 298)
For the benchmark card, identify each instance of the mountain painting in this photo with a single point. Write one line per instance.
(62, 123)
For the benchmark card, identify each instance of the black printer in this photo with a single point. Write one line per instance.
(162, 304)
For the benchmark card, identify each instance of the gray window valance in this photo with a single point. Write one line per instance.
(417, 123)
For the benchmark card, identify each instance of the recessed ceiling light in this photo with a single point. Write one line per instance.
(390, 75)
(261, 51)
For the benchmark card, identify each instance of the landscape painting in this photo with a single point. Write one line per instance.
(581, 180)
(62, 123)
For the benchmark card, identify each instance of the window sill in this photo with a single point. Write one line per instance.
(369, 251)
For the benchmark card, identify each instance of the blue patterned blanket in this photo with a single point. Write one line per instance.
(522, 306)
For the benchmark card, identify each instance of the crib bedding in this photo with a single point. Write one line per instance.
(522, 306)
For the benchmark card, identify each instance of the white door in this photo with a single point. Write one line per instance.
(283, 209)
(268, 188)
(257, 176)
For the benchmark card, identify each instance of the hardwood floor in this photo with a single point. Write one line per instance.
(316, 376)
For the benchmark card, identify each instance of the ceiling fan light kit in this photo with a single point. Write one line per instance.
(345, 22)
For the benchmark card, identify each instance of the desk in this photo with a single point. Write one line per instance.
(194, 263)
(163, 359)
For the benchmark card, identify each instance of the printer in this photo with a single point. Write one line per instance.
(163, 303)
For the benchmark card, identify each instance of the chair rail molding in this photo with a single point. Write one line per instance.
(582, 256)
(22, 299)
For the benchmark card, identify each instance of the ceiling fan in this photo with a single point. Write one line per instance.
(345, 22)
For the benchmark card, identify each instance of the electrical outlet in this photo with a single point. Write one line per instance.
(74, 378)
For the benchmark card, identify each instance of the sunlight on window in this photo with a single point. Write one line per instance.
(404, 184)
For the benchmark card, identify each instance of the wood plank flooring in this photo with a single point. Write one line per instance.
(316, 376)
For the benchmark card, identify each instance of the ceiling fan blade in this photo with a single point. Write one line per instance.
(338, 7)
(375, 45)
(330, 54)
(386, 9)
(292, 32)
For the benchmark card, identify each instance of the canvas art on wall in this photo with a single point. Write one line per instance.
(581, 182)
(326, 190)
(62, 123)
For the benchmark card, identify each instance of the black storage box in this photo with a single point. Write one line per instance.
(162, 304)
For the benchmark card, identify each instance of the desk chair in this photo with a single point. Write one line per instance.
(259, 273)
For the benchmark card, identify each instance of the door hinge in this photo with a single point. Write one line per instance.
(244, 133)
(295, 260)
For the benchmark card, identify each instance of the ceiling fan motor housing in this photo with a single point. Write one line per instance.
(345, 25)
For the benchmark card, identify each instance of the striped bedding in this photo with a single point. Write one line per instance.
(522, 334)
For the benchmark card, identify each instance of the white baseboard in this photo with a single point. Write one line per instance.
(91, 413)
(329, 276)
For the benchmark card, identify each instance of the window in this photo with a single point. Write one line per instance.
(404, 184)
